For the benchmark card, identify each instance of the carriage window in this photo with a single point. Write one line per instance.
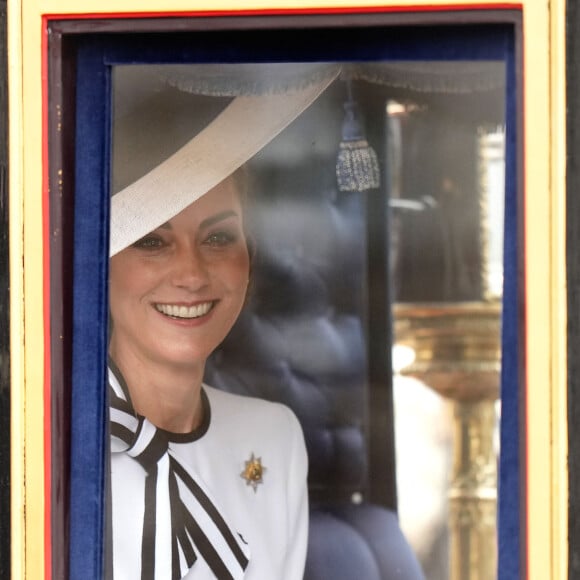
(305, 267)
(387, 189)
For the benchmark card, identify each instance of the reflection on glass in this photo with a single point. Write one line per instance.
(415, 137)
(492, 193)
(447, 216)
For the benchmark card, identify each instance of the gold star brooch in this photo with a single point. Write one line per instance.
(253, 472)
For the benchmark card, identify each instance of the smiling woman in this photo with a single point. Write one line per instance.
(203, 483)
(175, 294)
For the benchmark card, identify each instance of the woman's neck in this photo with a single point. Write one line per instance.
(169, 396)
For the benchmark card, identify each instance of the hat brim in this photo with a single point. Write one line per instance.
(240, 131)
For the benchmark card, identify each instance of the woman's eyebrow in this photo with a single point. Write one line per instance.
(222, 215)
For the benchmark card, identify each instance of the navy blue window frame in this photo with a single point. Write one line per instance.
(87, 58)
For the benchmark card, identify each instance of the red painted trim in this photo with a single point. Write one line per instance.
(292, 11)
(46, 313)
(45, 189)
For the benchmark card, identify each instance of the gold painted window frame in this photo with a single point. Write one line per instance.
(544, 291)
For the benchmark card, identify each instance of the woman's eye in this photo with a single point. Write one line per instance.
(149, 242)
(219, 239)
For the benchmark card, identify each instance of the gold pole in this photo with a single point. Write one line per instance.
(457, 353)
(473, 493)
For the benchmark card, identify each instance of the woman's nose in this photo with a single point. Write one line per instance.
(189, 268)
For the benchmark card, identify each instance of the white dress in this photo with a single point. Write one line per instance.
(271, 517)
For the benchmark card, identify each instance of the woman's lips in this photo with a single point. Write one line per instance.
(185, 312)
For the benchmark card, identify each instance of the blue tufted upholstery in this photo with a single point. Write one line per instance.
(301, 341)
(358, 541)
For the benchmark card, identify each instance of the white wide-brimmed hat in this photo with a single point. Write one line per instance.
(150, 189)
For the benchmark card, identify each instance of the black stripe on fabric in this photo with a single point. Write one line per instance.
(154, 451)
(121, 380)
(207, 551)
(211, 511)
(120, 431)
(120, 404)
(179, 533)
(149, 527)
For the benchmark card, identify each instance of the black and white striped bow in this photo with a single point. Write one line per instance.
(180, 519)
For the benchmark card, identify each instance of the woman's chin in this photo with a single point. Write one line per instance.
(184, 358)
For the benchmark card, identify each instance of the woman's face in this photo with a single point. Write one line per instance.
(175, 294)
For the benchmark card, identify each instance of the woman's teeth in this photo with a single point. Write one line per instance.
(184, 311)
